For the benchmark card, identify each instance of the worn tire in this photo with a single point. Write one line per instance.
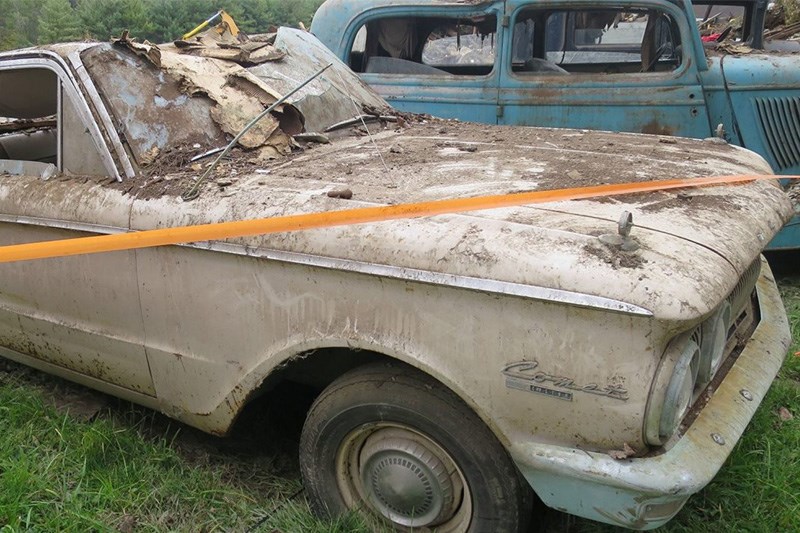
(384, 439)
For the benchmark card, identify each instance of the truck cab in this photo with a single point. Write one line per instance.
(639, 66)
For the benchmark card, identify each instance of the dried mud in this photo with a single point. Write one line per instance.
(394, 162)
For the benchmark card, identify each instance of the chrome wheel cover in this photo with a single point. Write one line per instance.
(403, 477)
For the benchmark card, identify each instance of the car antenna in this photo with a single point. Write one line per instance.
(194, 191)
(360, 116)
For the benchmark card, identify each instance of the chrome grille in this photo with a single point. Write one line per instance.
(745, 286)
(780, 123)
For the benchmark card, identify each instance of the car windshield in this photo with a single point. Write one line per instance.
(163, 99)
(152, 110)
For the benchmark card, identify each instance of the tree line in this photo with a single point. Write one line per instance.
(30, 22)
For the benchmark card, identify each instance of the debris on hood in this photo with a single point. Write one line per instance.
(733, 48)
(624, 453)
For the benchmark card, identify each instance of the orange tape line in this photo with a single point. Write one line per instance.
(263, 226)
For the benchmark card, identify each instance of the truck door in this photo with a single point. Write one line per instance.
(601, 67)
(432, 59)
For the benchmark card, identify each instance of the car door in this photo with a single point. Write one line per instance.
(436, 59)
(80, 313)
(609, 66)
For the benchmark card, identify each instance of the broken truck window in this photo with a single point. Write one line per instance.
(426, 46)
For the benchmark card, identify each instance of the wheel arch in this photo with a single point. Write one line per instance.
(319, 364)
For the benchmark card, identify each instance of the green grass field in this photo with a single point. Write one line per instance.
(74, 460)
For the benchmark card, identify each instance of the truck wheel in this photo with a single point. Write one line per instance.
(391, 441)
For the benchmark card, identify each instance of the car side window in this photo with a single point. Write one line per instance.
(595, 41)
(40, 130)
(28, 127)
(432, 46)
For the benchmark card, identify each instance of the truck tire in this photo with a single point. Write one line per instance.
(397, 445)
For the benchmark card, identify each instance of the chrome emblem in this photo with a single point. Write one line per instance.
(525, 375)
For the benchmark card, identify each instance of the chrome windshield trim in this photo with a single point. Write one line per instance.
(102, 113)
(387, 271)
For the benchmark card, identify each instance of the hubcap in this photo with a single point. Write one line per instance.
(404, 481)
(406, 478)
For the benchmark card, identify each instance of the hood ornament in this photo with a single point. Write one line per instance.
(623, 240)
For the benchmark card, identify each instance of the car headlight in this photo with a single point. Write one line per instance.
(674, 387)
(680, 391)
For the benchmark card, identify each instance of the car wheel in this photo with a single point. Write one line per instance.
(394, 443)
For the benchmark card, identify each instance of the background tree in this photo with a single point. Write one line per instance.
(59, 22)
(172, 18)
(28, 22)
(25, 17)
(8, 32)
(104, 19)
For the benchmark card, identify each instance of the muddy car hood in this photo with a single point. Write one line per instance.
(693, 245)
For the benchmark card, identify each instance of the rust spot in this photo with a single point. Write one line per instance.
(655, 128)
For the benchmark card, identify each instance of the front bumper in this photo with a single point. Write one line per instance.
(644, 493)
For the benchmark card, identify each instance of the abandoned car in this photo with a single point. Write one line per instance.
(615, 66)
(602, 354)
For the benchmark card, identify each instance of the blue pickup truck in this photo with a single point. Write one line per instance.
(637, 66)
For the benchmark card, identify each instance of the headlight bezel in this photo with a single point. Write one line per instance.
(670, 398)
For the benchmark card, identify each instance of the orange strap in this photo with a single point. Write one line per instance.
(263, 226)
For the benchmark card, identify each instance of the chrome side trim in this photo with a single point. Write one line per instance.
(433, 278)
(62, 224)
(387, 271)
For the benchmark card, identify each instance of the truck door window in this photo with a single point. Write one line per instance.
(426, 46)
(40, 130)
(597, 41)
(722, 22)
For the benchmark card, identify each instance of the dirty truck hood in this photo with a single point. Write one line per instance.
(693, 245)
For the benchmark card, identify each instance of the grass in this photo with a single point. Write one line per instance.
(117, 467)
(129, 469)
